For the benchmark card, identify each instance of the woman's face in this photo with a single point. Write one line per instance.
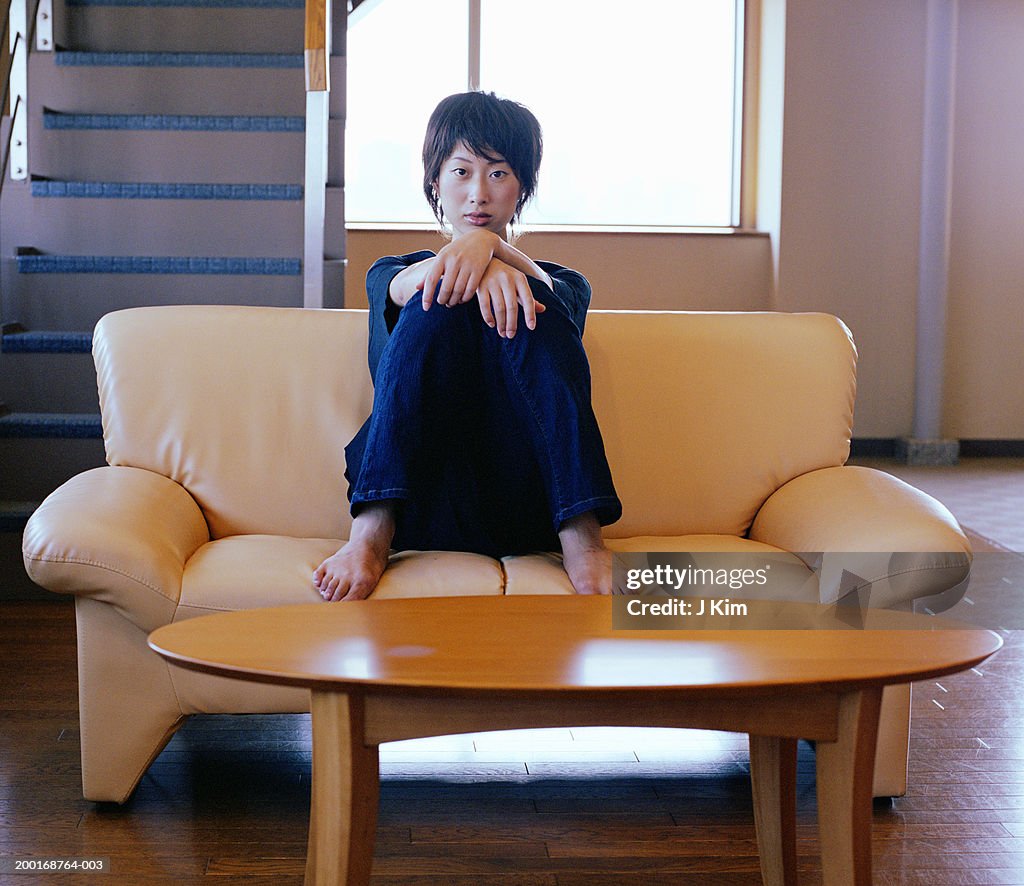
(476, 192)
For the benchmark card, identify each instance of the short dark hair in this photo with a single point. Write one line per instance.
(490, 127)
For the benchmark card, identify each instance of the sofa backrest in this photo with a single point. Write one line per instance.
(248, 408)
(703, 415)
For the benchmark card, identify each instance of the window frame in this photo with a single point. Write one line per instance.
(746, 101)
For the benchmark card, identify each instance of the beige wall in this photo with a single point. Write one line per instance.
(675, 272)
(851, 187)
(984, 396)
(844, 158)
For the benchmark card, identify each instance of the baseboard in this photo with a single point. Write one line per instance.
(992, 448)
(873, 447)
(889, 447)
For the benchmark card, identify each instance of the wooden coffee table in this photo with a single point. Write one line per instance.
(384, 670)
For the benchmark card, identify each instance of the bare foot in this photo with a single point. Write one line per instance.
(353, 572)
(587, 562)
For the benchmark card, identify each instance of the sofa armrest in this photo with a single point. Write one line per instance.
(871, 531)
(120, 535)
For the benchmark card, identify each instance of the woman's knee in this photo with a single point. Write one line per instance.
(440, 339)
(555, 340)
(439, 320)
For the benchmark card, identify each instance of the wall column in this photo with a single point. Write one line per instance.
(926, 446)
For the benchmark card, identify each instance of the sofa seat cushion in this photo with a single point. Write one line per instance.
(543, 573)
(248, 571)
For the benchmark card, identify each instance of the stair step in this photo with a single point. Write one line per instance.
(155, 264)
(165, 190)
(180, 59)
(174, 122)
(154, 155)
(96, 226)
(167, 29)
(14, 514)
(51, 425)
(158, 88)
(46, 343)
(38, 297)
(211, 4)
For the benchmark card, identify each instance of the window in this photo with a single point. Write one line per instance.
(638, 103)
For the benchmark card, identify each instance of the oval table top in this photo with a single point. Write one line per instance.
(557, 643)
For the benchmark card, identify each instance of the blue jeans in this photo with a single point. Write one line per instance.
(484, 444)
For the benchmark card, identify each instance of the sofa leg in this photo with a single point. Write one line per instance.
(890, 778)
(127, 706)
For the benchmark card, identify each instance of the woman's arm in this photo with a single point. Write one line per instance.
(384, 313)
(521, 262)
(406, 283)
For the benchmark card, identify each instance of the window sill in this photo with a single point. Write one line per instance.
(572, 229)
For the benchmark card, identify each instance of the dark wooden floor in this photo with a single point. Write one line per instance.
(228, 800)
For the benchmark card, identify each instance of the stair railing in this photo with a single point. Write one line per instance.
(318, 92)
(20, 37)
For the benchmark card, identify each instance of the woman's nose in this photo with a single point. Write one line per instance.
(478, 191)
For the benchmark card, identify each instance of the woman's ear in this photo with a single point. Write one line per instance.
(435, 199)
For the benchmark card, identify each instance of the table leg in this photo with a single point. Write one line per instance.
(844, 773)
(346, 783)
(773, 781)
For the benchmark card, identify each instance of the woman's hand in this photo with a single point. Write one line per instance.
(459, 267)
(467, 268)
(501, 290)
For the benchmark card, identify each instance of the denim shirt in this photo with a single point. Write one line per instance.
(569, 287)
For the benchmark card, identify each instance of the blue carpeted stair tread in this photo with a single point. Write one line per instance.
(155, 264)
(180, 59)
(165, 190)
(51, 425)
(46, 343)
(174, 122)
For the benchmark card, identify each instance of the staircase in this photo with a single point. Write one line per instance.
(166, 154)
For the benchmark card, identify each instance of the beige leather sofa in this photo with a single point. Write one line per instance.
(225, 429)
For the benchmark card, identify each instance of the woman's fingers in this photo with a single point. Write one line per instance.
(465, 288)
(500, 295)
(469, 288)
(498, 305)
(448, 279)
(485, 308)
(529, 303)
(508, 293)
(458, 269)
(440, 282)
(429, 285)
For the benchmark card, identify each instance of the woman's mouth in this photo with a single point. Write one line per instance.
(478, 218)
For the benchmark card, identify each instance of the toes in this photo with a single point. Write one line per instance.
(330, 590)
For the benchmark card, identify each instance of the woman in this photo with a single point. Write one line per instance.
(482, 436)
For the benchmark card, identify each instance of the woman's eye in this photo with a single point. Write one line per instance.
(499, 173)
